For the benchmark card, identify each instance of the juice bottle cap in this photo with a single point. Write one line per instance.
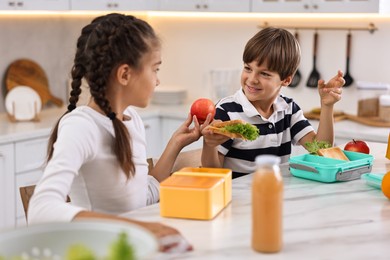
(267, 159)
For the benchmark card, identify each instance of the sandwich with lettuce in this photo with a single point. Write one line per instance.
(236, 129)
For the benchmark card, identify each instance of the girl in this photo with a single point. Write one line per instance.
(97, 152)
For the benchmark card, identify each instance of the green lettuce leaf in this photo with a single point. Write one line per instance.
(314, 146)
(247, 130)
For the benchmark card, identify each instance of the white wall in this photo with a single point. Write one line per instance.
(192, 46)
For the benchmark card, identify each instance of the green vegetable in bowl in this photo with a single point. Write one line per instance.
(313, 147)
(121, 249)
(79, 252)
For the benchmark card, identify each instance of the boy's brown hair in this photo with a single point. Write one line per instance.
(275, 47)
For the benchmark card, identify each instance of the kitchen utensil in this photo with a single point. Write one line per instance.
(28, 73)
(347, 77)
(297, 77)
(23, 103)
(53, 240)
(314, 76)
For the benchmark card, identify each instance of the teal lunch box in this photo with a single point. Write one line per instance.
(373, 179)
(319, 168)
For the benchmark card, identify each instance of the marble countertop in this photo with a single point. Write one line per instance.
(11, 131)
(345, 220)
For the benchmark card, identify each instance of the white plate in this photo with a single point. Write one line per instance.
(23, 103)
(56, 238)
(169, 96)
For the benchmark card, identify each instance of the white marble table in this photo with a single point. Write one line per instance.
(348, 220)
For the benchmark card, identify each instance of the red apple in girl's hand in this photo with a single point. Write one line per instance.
(201, 108)
(357, 146)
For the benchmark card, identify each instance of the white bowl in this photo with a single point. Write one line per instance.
(56, 238)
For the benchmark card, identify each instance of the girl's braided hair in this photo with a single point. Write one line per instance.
(107, 42)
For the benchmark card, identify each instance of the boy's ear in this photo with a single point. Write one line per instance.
(123, 74)
(287, 81)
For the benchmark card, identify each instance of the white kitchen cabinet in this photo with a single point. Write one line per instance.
(30, 157)
(206, 5)
(153, 137)
(7, 186)
(319, 6)
(114, 5)
(51, 5)
(169, 126)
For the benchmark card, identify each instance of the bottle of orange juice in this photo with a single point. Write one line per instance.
(267, 205)
(388, 148)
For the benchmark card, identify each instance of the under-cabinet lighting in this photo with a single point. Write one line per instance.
(183, 14)
(263, 15)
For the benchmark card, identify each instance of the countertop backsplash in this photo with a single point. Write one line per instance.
(193, 46)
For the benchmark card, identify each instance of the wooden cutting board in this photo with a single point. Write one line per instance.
(316, 116)
(25, 72)
(371, 121)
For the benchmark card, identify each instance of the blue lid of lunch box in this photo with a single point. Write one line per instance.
(323, 169)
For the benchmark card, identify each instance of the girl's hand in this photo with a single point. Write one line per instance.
(331, 92)
(169, 239)
(185, 135)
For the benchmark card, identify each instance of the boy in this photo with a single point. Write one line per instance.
(271, 58)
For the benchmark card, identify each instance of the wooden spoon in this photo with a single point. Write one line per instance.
(24, 72)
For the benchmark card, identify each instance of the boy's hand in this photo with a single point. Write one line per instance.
(330, 92)
(211, 139)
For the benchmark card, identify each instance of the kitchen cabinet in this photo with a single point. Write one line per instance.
(34, 5)
(114, 5)
(317, 6)
(153, 137)
(21, 164)
(205, 5)
(30, 156)
(7, 186)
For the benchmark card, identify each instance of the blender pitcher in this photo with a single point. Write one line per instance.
(224, 82)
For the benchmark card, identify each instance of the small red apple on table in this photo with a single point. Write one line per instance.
(357, 146)
(201, 108)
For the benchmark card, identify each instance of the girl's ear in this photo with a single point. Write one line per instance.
(123, 74)
(287, 81)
